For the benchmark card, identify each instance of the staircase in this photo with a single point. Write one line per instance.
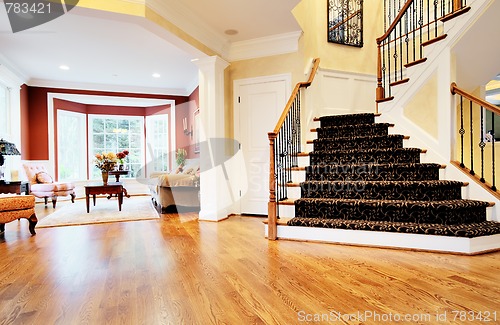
(360, 185)
(366, 185)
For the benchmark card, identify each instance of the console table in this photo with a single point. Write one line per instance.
(100, 188)
(16, 187)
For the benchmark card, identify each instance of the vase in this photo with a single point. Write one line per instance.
(105, 176)
(121, 167)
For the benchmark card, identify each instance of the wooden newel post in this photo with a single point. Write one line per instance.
(380, 90)
(272, 233)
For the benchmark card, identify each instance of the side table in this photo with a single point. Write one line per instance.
(16, 187)
(100, 188)
(117, 174)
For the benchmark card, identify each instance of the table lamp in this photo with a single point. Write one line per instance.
(6, 149)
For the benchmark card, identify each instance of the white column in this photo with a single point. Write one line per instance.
(215, 196)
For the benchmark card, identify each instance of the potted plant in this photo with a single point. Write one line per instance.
(180, 157)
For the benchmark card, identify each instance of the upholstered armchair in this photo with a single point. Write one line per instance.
(43, 186)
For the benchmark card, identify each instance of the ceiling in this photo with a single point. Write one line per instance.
(106, 51)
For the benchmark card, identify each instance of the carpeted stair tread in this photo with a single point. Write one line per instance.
(353, 130)
(336, 120)
(443, 212)
(354, 156)
(362, 142)
(389, 172)
(485, 228)
(384, 190)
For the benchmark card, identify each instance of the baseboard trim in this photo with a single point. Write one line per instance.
(380, 239)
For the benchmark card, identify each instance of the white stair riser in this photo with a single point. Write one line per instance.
(287, 211)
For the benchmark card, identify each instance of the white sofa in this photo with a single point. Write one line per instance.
(176, 190)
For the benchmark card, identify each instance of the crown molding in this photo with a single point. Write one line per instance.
(9, 73)
(179, 15)
(105, 87)
(265, 46)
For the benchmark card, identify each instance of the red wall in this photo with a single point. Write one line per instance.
(35, 142)
(186, 110)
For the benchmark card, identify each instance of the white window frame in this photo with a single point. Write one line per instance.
(91, 117)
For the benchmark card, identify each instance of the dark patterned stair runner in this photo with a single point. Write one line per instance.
(361, 178)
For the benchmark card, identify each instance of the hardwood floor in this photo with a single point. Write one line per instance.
(180, 271)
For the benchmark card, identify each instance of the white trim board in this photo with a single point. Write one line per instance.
(380, 239)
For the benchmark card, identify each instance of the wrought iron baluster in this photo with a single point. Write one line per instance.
(395, 55)
(385, 15)
(299, 149)
(406, 36)
(471, 143)
(384, 79)
(414, 28)
(389, 62)
(493, 187)
(435, 18)
(277, 166)
(482, 144)
(428, 20)
(401, 49)
(462, 132)
(289, 150)
(421, 24)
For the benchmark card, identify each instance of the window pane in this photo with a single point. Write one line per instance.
(98, 126)
(158, 141)
(72, 154)
(117, 136)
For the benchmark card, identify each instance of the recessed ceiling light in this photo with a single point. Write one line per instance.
(63, 67)
(230, 32)
(156, 75)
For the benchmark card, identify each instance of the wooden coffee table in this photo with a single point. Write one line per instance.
(100, 188)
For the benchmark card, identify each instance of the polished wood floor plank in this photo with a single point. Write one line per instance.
(177, 270)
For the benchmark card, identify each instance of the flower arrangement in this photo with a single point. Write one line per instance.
(121, 155)
(180, 156)
(105, 161)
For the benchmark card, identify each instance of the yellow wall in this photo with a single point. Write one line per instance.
(423, 107)
(312, 17)
(136, 8)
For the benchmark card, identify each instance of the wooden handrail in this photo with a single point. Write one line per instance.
(395, 22)
(294, 93)
(455, 90)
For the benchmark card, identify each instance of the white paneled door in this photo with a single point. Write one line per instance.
(259, 106)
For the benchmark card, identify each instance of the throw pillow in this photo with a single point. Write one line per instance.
(44, 178)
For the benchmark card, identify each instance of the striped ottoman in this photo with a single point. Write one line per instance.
(14, 207)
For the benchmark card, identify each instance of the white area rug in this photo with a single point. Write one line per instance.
(71, 214)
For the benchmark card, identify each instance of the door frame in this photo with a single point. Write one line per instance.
(237, 83)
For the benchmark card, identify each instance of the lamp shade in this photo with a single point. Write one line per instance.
(8, 148)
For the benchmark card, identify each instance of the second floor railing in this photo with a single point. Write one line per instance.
(476, 139)
(409, 26)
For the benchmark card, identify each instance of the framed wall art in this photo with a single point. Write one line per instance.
(345, 22)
